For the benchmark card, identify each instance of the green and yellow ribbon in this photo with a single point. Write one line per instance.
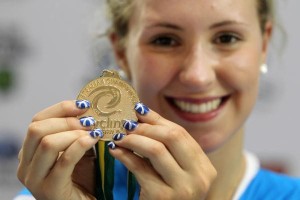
(106, 176)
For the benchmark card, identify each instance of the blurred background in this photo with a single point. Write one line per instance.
(50, 49)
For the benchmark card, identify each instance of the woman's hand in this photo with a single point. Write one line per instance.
(56, 159)
(167, 162)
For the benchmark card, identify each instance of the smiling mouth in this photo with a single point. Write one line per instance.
(197, 107)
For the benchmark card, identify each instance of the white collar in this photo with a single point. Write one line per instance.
(252, 167)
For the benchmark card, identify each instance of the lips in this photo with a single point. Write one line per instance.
(197, 109)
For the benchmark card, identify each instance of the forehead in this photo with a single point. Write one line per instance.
(189, 10)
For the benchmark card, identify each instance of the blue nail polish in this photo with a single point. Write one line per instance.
(118, 136)
(83, 104)
(141, 108)
(87, 121)
(96, 133)
(130, 125)
(111, 145)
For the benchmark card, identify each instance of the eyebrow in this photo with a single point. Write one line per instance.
(165, 25)
(226, 22)
(216, 25)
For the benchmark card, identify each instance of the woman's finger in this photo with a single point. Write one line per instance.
(61, 173)
(140, 167)
(148, 116)
(62, 109)
(39, 129)
(47, 153)
(157, 153)
(179, 143)
(84, 172)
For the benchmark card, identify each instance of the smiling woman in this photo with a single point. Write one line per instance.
(196, 64)
(201, 59)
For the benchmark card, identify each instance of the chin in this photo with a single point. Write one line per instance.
(210, 141)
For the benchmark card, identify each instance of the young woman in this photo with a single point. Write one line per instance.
(196, 64)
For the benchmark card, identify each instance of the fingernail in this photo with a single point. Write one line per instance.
(130, 125)
(118, 136)
(111, 145)
(97, 133)
(83, 104)
(141, 108)
(87, 121)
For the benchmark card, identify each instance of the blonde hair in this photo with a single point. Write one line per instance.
(265, 10)
(120, 12)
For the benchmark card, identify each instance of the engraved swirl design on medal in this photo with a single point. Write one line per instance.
(112, 102)
(112, 93)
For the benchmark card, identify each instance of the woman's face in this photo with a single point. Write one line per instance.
(197, 63)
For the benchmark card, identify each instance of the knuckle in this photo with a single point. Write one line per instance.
(69, 123)
(157, 149)
(36, 117)
(156, 118)
(66, 106)
(20, 154)
(186, 192)
(34, 130)
(28, 181)
(83, 143)
(205, 183)
(47, 143)
(72, 123)
(65, 160)
(174, 134)
(20, 174)
(213, 174)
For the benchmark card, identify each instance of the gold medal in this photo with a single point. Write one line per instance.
(112, 101)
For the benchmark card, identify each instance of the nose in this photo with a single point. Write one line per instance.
(198, 69)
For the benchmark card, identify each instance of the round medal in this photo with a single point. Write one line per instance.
(112, 101)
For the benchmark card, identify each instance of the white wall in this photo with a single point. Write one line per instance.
(58, 36)
(273, 130)
(57, 63)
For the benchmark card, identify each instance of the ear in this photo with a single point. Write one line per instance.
(266, 39)
(119, 52)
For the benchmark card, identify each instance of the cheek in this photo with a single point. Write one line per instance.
(150, 74)
(242, 78)
(242, 71)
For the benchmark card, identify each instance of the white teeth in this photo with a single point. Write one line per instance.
(198, 108)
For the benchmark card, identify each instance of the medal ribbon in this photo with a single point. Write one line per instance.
(113, 180)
